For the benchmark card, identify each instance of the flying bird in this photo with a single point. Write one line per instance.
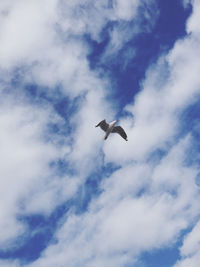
(111, 128)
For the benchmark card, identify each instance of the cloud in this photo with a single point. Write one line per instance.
(186, 3)
(191, 242)
(192, 25)
(190, 249)
(24, 157)
(7, 263)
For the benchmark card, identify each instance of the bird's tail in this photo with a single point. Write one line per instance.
(106, 136)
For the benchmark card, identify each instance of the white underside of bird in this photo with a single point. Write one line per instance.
(110, 128)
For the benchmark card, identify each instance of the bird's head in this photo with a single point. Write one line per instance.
(113, 122)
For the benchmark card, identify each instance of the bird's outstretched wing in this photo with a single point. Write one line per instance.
(120, 131)
(104, 126)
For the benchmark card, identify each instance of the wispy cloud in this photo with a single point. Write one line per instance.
(190, 249)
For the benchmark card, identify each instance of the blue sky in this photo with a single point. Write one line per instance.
(69, 198)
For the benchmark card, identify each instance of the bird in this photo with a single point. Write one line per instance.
(111, 128)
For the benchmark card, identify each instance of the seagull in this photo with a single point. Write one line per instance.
(111, 128)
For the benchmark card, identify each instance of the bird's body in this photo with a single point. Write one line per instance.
(111, 128)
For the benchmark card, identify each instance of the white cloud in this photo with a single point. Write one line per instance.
(190, 249)
(186, 3)
(125, 9)
(25, 157)
(19, 43)
(191, 243)
(193, 22)
(143, 15)
(7, 263)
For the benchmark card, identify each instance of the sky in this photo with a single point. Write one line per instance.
(67, 196)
